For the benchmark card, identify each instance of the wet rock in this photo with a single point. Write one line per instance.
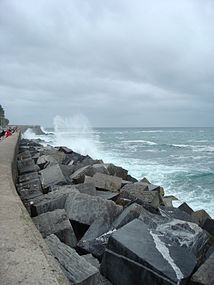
(87, 188)
(145, 180)
(75, 267)
(27, 177)
(29, 189)
(79, 175)
(105, 182)
(100, 168)
(208, 225)
(86, 209)
(186, 208)
(84, 161)
(24, 155)
(167, 201)
(52, 176)
(153, 250)
(91, 242)
(129, 213)
(131, 179)
(200, 216)
(56, 222)
(51, 201)
(59, 156)
(26, 166)
(204, 275)
(65, 150)
(117, 171)
(140, 193)
(175, 213)
(107, 195)
(45, 160)
(95, 263)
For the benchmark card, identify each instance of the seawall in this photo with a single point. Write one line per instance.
(24, 255)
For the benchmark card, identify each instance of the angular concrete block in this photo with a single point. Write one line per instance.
(153, 250)
(26, 166)
(56, 222)
(105, 182)
(75, 267)
(51, 201)
(52, 176)
(86, 209)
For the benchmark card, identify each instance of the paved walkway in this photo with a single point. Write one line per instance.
(24, 255)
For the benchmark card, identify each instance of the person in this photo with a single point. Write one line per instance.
(8, 133)
(2, 134)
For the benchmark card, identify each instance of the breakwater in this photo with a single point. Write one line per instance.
(102, 225)
(24, 256)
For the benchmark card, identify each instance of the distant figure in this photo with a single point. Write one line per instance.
(8, 133)
(2, 134)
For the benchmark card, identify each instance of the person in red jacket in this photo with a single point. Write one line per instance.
(8, 133)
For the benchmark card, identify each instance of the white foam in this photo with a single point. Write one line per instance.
(140, 141)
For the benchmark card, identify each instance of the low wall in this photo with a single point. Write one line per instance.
(24, 255)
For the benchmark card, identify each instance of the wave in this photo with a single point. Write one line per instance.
(140, 141)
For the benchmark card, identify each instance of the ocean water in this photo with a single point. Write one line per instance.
(179, 159)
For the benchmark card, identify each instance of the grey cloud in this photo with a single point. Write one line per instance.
(120, 63)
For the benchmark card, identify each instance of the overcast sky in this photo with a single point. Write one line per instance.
(118, 62)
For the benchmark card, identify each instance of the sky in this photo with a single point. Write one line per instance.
(120, 63)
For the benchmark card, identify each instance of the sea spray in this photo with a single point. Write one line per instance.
(76, 133)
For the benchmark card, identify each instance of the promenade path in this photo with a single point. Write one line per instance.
(24, 255)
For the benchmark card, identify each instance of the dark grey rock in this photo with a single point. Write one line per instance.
(117, 171)
(45, 160)
(131, 179)
(24, 155)
(153, 250)
(186, 208)
(52, 176)
(86, 209)
(139, 191)
(175, 213)
(27, 165)
(107, 194)
(95, 263)
(91, 241)
(56, 222)
(51, 201)
(105, 182)
(204, 275)
(75, 267)
(129, 213)
(29, 189)
(27, 177)
(200, 216)
(87, 188)
(208, 225)
(65, 149)
(79, 175)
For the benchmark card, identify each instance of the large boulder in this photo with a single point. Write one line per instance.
(200, 216)
(87, 188)
(79, 175)
(51, 201)
(96, 238)
(28, 177)
(153, 250)
(105, 182)
(29, 189)
(26, 166)
(46, 160)
(52, 176)
(91, 242)
(86, 209)
(140, 193)
(208, 225)
(117, 171)
(56, 222)
(75, 267)
(204, 275)
(24, 155)
(186, 208)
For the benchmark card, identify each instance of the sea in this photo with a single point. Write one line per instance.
(179, 159)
